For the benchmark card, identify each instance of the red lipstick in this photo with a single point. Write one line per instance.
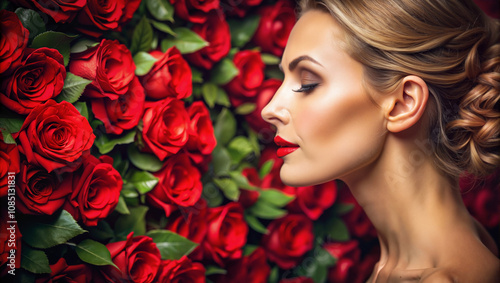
(285, 147)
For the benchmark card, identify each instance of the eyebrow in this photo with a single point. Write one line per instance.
(297, 60)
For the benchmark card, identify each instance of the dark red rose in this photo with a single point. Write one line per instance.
(98, 16)
(39, 78)
(226, 234)
(96, 190)
(62, 272)
(62, 11)
(356, 220)
(123, 113)
(190, 222)
(314, 200)
(13, 40)
(275, 25)
(38, 191)
(249, 78)
(169, 77)
(137, 258)
(301, 279)
(216, 32)
(178, 184)
(249, 197)
(201, 140)
(288, 239)
(264, 94)
(55, 136)
(249, 269)
(179, 271)
(348, 257)
(238, 7)
(9, 163)
(165, 127)
(195, 11)
(482, 198)
(108, 65)
(10, 242)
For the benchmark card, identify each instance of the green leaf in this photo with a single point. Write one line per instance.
(225, 127)
(209, 92)
(31, 20)
(255, 224)
(241, 180)
(245, 108)
(121, 207)
(224, 72)
(221, 161)
(211, 270)
(212, 195)
(171, 245)
(187, 41)
(275, 197)
(269, 59)
(323, 257)
(336, 229)
(266, 168)
(314, 270)
(34, 261)
(143, 63)
(239, 148)
(55, 40)
(222, 98)
(249, 249)
(242, 30)
(266, 210)
(275, 275)
(83, 109)
(133, 222)
(144, 161)
(163, 27)
(82, 45)
(142, 36)
(56, 230)
(229, 188)
(94, 253)
(73, 88)
(342, 208)
(197, 75)
(273, 72)
(11, 125)
(102, 232)
(105, 143)
(162, 10)
(143, 181)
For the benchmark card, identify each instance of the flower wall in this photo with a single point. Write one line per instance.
(132, 150)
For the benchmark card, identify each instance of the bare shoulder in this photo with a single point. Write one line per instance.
(486, 273)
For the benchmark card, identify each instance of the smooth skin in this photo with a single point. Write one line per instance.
(377, 144)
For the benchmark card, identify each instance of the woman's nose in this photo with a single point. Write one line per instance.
(275, 112)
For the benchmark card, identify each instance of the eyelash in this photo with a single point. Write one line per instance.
(306, 88)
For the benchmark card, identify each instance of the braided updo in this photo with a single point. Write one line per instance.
(454, 47)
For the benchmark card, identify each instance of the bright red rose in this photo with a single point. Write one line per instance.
(13, 40)
(288, 239)
(7, 244)
(249, 269)
(348, 257)
(301, 279)
(275, 25)
(123, 113)
(62, 11)
(165, 127)
(201, 140)
(264, 94)
(249, 78)
(170, 76)
(62, 272)
(137, 258)
(178, 184)
(110, 67)
(314, 200)
(9, 162)
(190, 222)
(96, 190)
(238, 7)
(226, 234)
(356, 220)
(216, 32)
(38, 191)
(39, 78)
(482, 198)
(98, 16)
(179, 271)
(195, 11)
(55, 136)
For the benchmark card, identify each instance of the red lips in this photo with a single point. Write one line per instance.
(285, 147)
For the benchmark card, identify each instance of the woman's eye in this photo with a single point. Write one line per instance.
(306, 87)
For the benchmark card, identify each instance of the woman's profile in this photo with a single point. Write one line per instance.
(397, 98)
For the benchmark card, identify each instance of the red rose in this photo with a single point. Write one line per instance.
(165, 127)
(38, 191)
(178, 185)
(9, 162)
(275, 25)
(201, 140)
(10, 240)
(195, 11)
(182, 270)
(226, 234)
(288, 239)
(55, 136)
(264, 94)
(96, 190)
(249, 78)
(314, 200)
(301, 279)
(482, 198)
(13, 40)
(39, 78)
(249, 269)
(137, 258)
(348, 256)
(169, 77)
(190, 222)
(105, 15)
(62, 272)
(238, 7)
(249, 197)
(123, 113)
(216, 32)
(60, 11)
(356, 220)
(108, 65)
(273, 180)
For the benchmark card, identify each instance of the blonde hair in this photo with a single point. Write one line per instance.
(454, 47)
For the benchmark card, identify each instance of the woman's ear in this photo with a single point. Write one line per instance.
(407, 104)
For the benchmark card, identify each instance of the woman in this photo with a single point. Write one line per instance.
(397, 98)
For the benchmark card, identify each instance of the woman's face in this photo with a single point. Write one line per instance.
(322, 107)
